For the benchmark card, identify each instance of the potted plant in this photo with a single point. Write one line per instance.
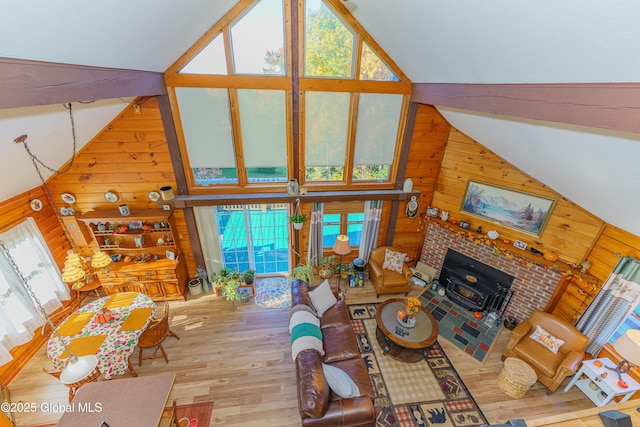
(346, 270)
(230, 291)
(303, 271)
(218, 280)
(248, 276)
(298, 220)
(327, 266)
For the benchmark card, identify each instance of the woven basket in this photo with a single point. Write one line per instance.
(516, 377)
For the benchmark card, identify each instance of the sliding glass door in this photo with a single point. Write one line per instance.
(254, 236)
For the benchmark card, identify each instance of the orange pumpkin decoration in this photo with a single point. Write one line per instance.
(550, 256)
(104, 316)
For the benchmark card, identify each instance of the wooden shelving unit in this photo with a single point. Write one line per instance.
(146, 244)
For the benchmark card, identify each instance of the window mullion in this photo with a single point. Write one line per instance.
(237, 137)
(351, 139)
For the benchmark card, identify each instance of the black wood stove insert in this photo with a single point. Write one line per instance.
(473, 284)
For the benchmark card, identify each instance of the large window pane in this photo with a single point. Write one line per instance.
(376, 135)
(328, 47)
(264, 135)
(354, 227)
(254, 236)
(257, 40)
(326, 129)
(206, 124)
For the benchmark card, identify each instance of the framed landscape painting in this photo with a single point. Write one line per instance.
(515, 209)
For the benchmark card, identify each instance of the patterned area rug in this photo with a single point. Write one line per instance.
(194, 415)
(426, 393)
(273, 292)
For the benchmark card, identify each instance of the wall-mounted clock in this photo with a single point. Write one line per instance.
(412, 207)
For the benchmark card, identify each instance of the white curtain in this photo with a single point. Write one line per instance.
(316, 233)
(370, 228)
(19, 317)
(209, 240)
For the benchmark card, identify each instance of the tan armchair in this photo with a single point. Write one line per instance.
(387, 281)
(551, 369)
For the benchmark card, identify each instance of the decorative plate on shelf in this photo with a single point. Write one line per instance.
(36, 205)
(68, 198)
(154, 196)
(111, 196)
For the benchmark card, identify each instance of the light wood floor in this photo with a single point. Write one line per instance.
(241, 359)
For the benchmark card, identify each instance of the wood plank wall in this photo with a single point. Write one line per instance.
(571, 231)
(13, 212)
(129, 157)
(428, 143)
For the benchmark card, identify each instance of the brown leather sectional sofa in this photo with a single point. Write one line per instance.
(318, 405)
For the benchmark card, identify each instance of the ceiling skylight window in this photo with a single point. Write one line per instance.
(210, 60)
(329, 43)
(257, 40)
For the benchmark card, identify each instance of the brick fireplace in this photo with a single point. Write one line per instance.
(533, 285)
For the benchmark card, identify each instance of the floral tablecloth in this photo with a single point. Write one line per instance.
(112, 342)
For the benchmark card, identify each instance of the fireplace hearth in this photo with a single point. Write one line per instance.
(473, 285)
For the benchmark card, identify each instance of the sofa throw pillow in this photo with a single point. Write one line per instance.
(340, 382)
(306, 336)
(322, 298)
(540, 335)
(393, 260)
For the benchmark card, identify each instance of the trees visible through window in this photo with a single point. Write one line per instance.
(234, 99)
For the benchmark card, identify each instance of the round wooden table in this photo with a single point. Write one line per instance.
(400, 342)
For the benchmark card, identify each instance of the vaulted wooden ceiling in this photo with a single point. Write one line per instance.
(551, 87)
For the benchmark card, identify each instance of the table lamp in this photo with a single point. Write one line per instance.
(341, 247)
(78, 367)
(627, 345)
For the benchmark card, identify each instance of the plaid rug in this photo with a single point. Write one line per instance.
(421, 394)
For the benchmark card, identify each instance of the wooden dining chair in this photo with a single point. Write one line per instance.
(92, 377)
(154, 335)
(128, 287)
(59, 316)
(169, 418)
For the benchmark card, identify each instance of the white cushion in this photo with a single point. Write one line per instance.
(540, 335)
(393, 260)
(340, 382)
(322, 298)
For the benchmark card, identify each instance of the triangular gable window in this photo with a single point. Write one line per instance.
(373, 68)
(329, 43)
(210, 60)
(257, 40)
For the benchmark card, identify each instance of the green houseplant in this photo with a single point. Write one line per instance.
(298, 220)
(327, 266)
(230, 291)
(248, 276)
(303, 271)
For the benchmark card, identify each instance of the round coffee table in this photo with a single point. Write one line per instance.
(399, 342)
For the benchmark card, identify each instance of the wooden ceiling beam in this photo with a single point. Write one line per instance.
(185, 201)
(601, 105)
(32, 83)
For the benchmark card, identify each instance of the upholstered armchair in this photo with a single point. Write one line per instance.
(387, 281)
(551, 368)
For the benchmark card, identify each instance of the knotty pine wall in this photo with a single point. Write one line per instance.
(130, 157)
(571, 231)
